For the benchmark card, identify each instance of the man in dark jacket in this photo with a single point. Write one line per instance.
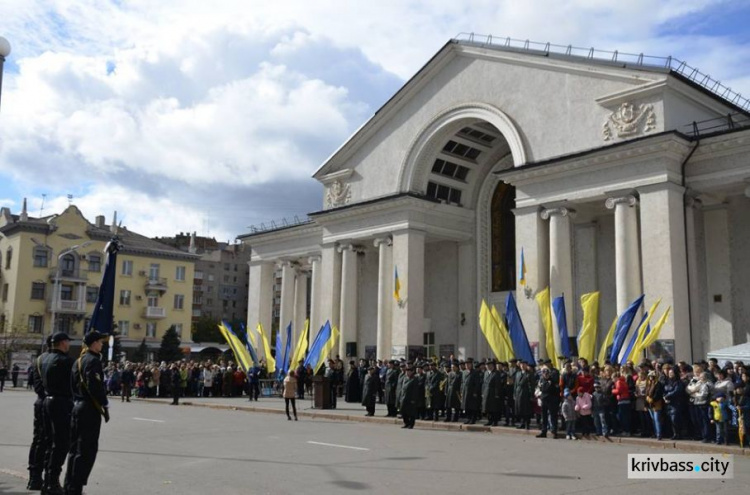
(492, 394)
(391, 382)
(39, 442)
(435, 392)
(549, 393)
(174, 378)
(58, 403)
(301, 373)
(471, 393)
(91, 404)
(408, 401)
(453, 393)
(370, 390)
(421, 379)
(523, 388)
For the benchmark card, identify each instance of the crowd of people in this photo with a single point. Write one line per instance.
(702, 401)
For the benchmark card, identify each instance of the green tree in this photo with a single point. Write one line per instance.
(206, 329)
(141, 352)
(170, 346)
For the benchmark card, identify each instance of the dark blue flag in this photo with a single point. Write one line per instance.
(313, 356)
(518, 338)
(101, 318)
(284, 368)
(249, 346)
(558, 306)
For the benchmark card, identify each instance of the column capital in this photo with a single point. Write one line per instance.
(348, 246)
(314, 259)
(559, 211)
(627, 199)
(693, 201)
(382, 240)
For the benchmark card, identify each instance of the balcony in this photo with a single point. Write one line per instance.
(68, 307)
(154, 313)
(156, 284)
(73, 275)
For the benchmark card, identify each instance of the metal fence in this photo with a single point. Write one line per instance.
(617, 58)
(718, 124)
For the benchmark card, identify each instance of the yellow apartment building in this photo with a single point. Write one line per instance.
(51, 268)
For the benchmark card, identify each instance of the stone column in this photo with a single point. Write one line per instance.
(697, 278)
(330, 285)
(260, 295)
(532, 235)
(385, 296)
(561, 265)
(286, 312)
(315, 294)
(300, 305)
(665, 260)
(627, 255)
(407, 325)
(348, 318)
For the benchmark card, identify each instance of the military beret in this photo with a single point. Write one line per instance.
(92, 337)
(59, 337)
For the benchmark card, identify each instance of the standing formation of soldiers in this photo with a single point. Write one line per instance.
(453, 390)
(71, 400)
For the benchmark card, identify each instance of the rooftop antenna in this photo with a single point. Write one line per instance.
(41, 209)
(70, 199)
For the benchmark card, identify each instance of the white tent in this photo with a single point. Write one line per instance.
(735, 353)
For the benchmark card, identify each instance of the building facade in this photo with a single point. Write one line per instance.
(52, 268)
(624, 178)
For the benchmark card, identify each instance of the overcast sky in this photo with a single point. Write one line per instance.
(211, 116)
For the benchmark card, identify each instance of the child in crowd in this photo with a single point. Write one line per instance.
(583, 408)
(720, 418)
(569, 415)
(599, 410)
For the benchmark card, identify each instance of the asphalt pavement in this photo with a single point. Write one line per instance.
(154, 448)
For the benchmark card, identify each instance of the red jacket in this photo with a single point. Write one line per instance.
(620, 389)
(587, 383)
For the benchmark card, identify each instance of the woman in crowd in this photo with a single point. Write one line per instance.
(290, 391)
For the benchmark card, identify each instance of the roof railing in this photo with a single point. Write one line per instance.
(727, 122)
(614, 57)
(278, 224)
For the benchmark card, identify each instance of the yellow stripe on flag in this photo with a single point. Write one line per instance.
(651, 337)
(545, 310)
(636, 351)
(327, 348)
(589, 327)
(504, 335)
(270, 361)
(240, 352)
(491, 332)
(607, 342)
(299, 351)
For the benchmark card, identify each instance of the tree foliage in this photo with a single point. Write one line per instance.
(141, 352)
(169, 350)
(206, 329)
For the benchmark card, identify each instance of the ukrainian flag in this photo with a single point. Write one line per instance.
(396, 286)
(522, 271)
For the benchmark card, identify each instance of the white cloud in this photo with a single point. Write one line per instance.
(181, 111)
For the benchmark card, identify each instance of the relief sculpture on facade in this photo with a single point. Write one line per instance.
(338, 194)
(629, 120)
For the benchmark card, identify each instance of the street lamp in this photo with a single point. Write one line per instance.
(56, 286)
(4, 52)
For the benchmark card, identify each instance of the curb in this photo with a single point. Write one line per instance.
(686, 446)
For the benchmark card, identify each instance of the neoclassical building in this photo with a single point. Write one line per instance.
(623, 177)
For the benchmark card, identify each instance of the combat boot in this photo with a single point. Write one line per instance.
(52, 486)
(35, 483)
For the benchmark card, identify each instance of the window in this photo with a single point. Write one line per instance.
(178, 329)
(124, 298)
(92, 293)
(210, 277)
(226, 266)
(95, 262)
(179, 301)
(235, 267)
(123, 328)
(461, 150)
(68, 265)
(197, 300)
(153, 301)
(209, 302)
(127, 268)
(226, 278)
(450, 169)
(153, 271)
(8, 258)
(428, 339)
(65, 324)
(443, 193)
(66, 292)
(503, 235)
(196, 313)
(180, 273)
(210, 289)
(36, 324)
(5, 292)
(476, 135)
(41, 257)
(37, 290)
(151, 329)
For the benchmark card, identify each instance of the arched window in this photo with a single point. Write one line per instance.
(68, 265)
(8, 258)
(503, 238)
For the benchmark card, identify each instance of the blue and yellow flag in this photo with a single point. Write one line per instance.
(545, 311)
(327, 348)
(522, 270)
(299, 351)
(317, 346)
(240, 351)
(396, 285)
(624, 322)
(270, 361)
(558, 305)
(518, 338)
(587, 336)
